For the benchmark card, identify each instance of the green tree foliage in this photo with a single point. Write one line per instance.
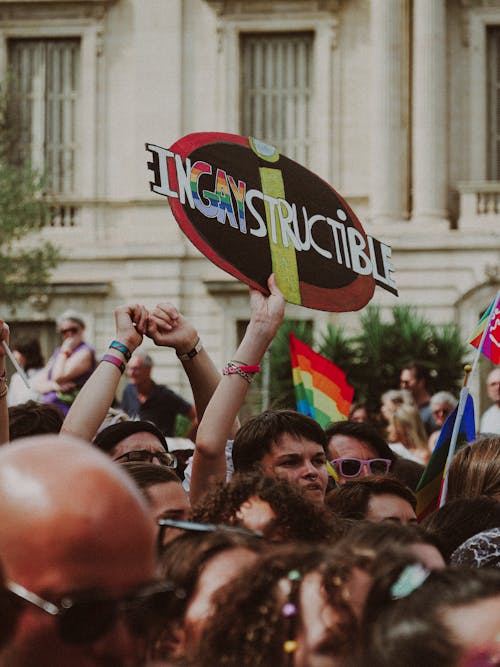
(25, 260)
(373, 358)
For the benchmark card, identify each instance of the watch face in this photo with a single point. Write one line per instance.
(253, 212)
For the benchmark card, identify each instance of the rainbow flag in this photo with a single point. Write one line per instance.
(429, 487)
(490, 343)
(321, 389)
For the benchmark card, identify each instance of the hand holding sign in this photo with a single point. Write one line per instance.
(254, 212)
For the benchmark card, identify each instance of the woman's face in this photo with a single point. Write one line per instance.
(321, 637)
(219, 571)
(476, 628)
(360, 415)
(71, 329)
(387, 407)
(20, 358)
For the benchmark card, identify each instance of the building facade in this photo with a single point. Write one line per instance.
(393, 102)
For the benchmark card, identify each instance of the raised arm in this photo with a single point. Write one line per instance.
(4, 413)
(209, 462)
(96, 396)
(169, 328)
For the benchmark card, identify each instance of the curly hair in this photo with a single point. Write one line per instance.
(258, 600)
(297, 518)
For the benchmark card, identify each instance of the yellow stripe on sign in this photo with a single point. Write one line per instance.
(284, 260)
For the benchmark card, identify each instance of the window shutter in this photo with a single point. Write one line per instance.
(45, 77)
(276, 89)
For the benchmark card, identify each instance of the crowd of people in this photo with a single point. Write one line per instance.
(269, 543)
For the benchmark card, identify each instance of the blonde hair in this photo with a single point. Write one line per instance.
(407, 422)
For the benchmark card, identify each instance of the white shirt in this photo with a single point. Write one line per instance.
(490, 421)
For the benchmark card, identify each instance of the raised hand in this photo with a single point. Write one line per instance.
(169, 328)
(267, 311)
(131, 324)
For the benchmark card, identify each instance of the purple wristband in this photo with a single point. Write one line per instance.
(115, 361)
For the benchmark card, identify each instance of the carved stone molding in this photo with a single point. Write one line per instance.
(14, 10)
(224, 8)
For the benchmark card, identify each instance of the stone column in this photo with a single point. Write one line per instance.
(390, 110)
(430, 131)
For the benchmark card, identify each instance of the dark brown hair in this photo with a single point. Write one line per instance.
(460, 519)
(351, 500)
(413, 630)
(32, 418)
(30, 349)
(257, 436)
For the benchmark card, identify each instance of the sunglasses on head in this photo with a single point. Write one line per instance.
(195, 527)
(351, 467)
(71, 330)
(166, 459)
(87, 616)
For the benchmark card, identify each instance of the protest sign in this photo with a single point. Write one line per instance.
(253, 212)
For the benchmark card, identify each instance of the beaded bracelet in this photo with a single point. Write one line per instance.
(3, 377)
(246, 372)
(115, 361)
(116, 345)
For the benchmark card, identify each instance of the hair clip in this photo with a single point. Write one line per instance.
(290, 646)
(411, 578)
(289, 609)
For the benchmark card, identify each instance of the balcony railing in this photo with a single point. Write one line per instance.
(479, 205)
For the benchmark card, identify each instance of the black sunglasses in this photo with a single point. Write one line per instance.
(87, 616)
(72, 330)
(166, 459)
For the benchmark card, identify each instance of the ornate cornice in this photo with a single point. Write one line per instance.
(12, 10)
(224, 8)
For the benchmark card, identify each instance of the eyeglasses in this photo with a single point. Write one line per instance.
(196, 527)
(443, 412)
(166, 459)
(87, 616)
(351, 467)
(71, 330)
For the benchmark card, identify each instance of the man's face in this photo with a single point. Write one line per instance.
(81, 559)
(300, 461)
(440, 413)
(493, 386)
(137, 371)
(345, 446)
(389, 507)
(142, 441)
(407, 380)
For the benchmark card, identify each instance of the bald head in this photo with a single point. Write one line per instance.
(70, 520)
